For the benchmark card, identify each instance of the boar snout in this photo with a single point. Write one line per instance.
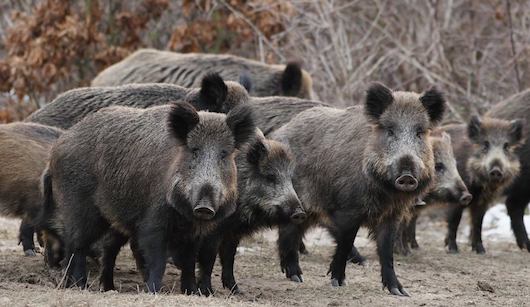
(496, 173)
(298, 215)
(204, 210)
(466, 198)
(406, 182)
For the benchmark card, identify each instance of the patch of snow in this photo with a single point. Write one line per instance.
(497, 224)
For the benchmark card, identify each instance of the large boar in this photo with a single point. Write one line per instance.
(449, 188)
(149, 65)
(24, 152)
(266, 198)
(164, 176)
(354, 170)
(486, 160)
(518, 194)
(67, 109)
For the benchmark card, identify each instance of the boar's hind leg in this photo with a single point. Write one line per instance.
(289, 238)
(355, 256)
(227, 253)
(477, 216)
(26, 237)
(113, 242)
(454, 215)
(516, 205)
(344, 232)
(152, 244)
(206, 260)
(385, 234)
(410, 232)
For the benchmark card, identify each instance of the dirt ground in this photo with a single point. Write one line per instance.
(432, 277)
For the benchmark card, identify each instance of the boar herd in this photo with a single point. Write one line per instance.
(184, 155)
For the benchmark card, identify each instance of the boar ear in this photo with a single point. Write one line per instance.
(213, 93)
(241, 121)
(256, 151)
(291, 79)
(516, 130)
(474, 127)
(182, 119)
(245, 81)
(434, 101)
(378, 98)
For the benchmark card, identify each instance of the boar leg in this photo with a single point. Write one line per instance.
(187, 254)
(152, 244)
(227, 253)
(343, 230)
(26, 237)
(112, 244)
(410, 232)
(454, 215)
(385, 234)
(477, 216)
(516, 207)
(289, 237)
(206, 260)
(138, 257)
(355, 256)
(303, 250)
(401, 246)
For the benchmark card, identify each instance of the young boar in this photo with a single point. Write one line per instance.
(24, 152)
(354, 169)
(154, 66)
(163, 176)
(486, 160)
(449, 188)
(67, 109)
(518, 193)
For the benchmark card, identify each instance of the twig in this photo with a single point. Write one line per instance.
(512, 41)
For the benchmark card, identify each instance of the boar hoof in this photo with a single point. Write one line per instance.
(297, 278)
(337, 283)
(234, 290)
(414, 245)
(398, 292)
(30, 253)
(528, 246)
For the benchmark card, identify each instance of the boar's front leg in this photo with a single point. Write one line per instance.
(289, 238)
(227, 253)
(343, 231)
(152, 243)
(187, 254)
(385, 234)
(26, 237)
(477, 217)
(516, 206)
(454, 215)
(112, 244)
(206, 259)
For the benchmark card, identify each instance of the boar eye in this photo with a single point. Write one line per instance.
(390, 132)
(270, 178)
(439, 167)
(506, 146)
(195, 152)
(486, 145)
(420, 132)
(224, 154)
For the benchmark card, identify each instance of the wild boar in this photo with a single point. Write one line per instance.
(67, 109)
(24, 152)
(486, 160)
(356, 169)
(163, 176)
(187, 69)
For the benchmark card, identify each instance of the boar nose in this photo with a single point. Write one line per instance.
(204, 211)
(496, 174)
(466, 198)
(298, 216)
(406, 183)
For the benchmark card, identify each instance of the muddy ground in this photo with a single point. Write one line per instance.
(432, 277)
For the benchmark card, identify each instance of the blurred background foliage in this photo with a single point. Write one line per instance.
(475, 51)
